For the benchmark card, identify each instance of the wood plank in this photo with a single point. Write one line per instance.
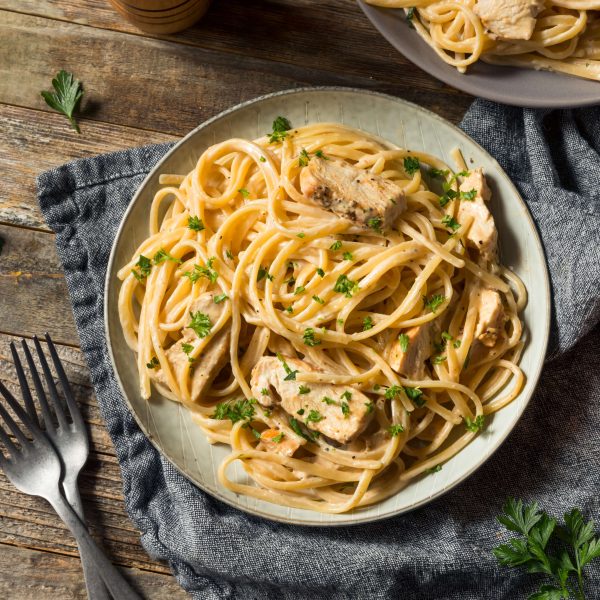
(34, 141)
(162, 85)
(329, 35)
(24, 573)
(33, 291)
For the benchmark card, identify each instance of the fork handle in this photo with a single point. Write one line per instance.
(96, 590)
(115, 582)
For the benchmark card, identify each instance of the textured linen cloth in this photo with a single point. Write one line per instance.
(444, 550)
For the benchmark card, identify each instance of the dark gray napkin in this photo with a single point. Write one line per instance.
(442, 551)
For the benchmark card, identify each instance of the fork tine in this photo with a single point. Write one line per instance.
(64, 382)
(21, 414)
(8, 443)
(25, 392)
(56, 402)
(12, 425)
(39, 388)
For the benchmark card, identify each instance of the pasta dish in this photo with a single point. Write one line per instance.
(556, 35)
(330, 306)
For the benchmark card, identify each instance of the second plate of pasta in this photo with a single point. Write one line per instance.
(319, 306)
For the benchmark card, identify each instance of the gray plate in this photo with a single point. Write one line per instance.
(170, 427)
(508, 85)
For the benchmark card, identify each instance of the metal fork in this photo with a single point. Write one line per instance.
(70, 440)
(35, 468)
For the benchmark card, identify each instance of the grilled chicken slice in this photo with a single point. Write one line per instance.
(274, 440)
(364, 198)
(482, 234)
(411, 363)
(491, 318)
(509, 19)
(214, 356)
(339, 412)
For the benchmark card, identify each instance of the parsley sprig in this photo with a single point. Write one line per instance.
(281, 126)
(66, 96)
(560, 552)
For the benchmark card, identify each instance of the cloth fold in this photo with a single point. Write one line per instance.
(444, 550)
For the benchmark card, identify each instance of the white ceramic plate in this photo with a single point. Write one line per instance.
(170, 427)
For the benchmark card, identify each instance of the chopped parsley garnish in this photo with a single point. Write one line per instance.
(376, 387)
(320, 154)
(448, 195)
(411, 164)
(434, 302)
(395, 430)
(262, 273)
(303, 158)
(299, 290)
(289, 309)
(162, 255)
(439, 359)
(301, 235)
(375, 224)
(304, 389)
(416, 395)
(470, 195)
(329, 401)
(144, 266)
(393, 392)
(438, 173)
(228, 254)
(277, 439)
(451, 222)
(188, 349)
(309, 337)
(203, 271)
(340, 321)
(262, 159)
(404, 341)
(220, 298)
(300, 412)
(153, 363)
(345, 409)
(290, 375)
(348, 256)
(280, 128)
(244, 192)
(320, 272)
(410, 14)
(295, 425)
(264, 392)
(319, 300)
(370, 406)
(476, 424)
(347, 395)
(201, 324)
(242, 410)
(435, 469)
(345, 286)
(367, 323)
(336, 245)
(195, 224)
(314, 416)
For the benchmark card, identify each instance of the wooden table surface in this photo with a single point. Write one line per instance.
(139, 89)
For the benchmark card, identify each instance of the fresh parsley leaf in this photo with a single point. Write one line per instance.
(277, 439)
(328, 401)
(300, 412)
(264, 392)
(262, 159)
(404, 341)
(66, 96)
(367, 323)
(202, 271)
(290, 375)
(301, 235)
(153, 363)
(188, 349)
(244, 192)
(370, 406)
(303, 389)
(320, 154)
(476, 424)
(439, 359)
(228, 254)
(375, 224)
(262, 273)
(345, 286)
(320, 272)
(289, 309)
(470, 195)
(309, 337)
(451, 222)
(303, 158)
(395, 430)
(434, 302)
(393, 392)
(220, 298)
(336, 245)
(347, 395)
(410, 14)
(195, 224)
(438, 173)
(314, 416)
(295, 425)
(200, 323)
(416, 395)
(281, 126)
(162, 255)
(299, 290)
(348, 256)
(435, 469)
(411, 164)
(319, 300)
(345, 409)
(242, 410)
(144, 266)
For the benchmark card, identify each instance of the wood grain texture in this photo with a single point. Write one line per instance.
(189, 84)
(24, 573)
(33, 141)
